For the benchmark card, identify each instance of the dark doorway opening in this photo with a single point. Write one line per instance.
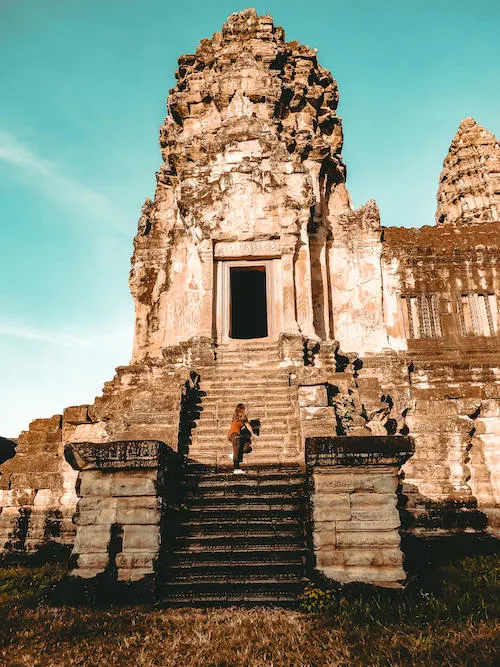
(248, 302)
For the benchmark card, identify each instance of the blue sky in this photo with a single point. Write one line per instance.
(84, 84)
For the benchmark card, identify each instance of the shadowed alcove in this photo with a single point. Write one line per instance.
(248, 302)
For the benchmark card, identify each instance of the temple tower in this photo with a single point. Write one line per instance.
(251, 200)
(469, 185)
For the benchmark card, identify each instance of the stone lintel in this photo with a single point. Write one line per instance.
(359, 450)
(247, 249)
(118, 455)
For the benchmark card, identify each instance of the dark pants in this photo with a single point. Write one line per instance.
(238, 443)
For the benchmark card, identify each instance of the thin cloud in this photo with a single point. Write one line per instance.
(56, 338)
(54, 184)
(104, 340)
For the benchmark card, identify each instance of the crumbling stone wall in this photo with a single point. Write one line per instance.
(37, 487)
(37, 496)
(453, 368)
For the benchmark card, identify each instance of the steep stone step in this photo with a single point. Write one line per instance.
(214, 433)
(229, 597)
(247, 509)
(224, 527)
(247, 378)
(240, 540)
(274, 473)
(251, 555)
(214, 571)
(266, 410)
(211, 456)
(235, 501)
(231, 590)
(241, 490)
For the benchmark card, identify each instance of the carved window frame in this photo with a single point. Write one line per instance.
(478, 313)
(421, 315)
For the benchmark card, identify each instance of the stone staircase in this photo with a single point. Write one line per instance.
(238, 540)
(252, 375)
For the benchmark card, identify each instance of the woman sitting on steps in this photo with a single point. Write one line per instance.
(239, 442)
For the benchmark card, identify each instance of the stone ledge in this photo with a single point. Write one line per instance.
(118, 455)
(359, 450)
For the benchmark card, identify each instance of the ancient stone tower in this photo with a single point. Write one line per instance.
(469, 186)
(251, 187)
(355, 347)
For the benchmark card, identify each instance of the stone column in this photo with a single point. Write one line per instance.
(303, 286)
(288, 246)
(355, 521)
(206, 324)
(121, 487)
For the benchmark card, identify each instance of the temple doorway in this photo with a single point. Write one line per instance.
(248, 301)
(248, 316)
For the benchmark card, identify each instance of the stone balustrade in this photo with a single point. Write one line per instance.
(353, 502)
(121, 488)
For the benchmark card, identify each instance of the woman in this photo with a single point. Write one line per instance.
(238, 441)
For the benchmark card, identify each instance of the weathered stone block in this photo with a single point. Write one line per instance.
(333, 482)
(324, 513)
(76, 414)
(86, 572)
(129, 561)
(134, 574)
(141, 538)
(140, 516)
(316, 428)
(97, 561)
(381, 524)
(143, 483)
(94, 483)
(95, 510)
(314, 395)
(367, 538)
(324, 535)
(91, 539)
(370, 501)
(328, 557)
(488, 425)
(374, 557)
(393, 557)
(375, 515)
(379, 575)
(317, 413)
(359, 480)
(36, 480)
(139, 502)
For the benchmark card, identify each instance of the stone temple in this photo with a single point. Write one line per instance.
(357, 349)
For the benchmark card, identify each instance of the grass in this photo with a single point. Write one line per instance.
(451, 620)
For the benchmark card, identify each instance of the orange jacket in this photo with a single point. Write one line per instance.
(236, 427)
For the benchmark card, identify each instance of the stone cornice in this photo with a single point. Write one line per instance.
(118, 455)
(359, 450)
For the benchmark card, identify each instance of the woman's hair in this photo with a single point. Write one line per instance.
(240, 413)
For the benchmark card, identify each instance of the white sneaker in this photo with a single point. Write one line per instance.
(239, 471)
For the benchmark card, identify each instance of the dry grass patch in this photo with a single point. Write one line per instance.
(454, 622)
(69, 636)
